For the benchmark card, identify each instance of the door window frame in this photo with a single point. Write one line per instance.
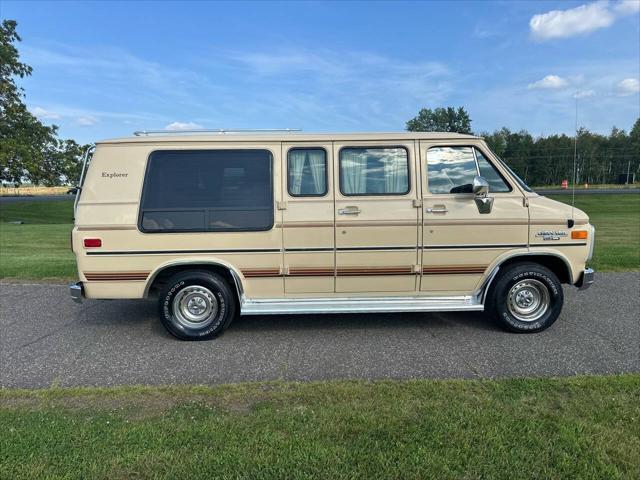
(272, 177)
(475, 158)
(326, 173)
(379, 147)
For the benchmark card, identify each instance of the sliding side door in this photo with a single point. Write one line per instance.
(376, 217)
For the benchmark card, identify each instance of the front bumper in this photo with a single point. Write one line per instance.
(76, 291)
(587, 278)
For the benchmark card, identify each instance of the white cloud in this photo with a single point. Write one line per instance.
(580, 20)
(575, 21)
(183, 126)
(550, 82)
(628, 86)
(584, 94)
(86, 120)
(45, 114)
(627, 7)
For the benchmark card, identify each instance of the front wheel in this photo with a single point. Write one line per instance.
(526, 298)
(196, 305)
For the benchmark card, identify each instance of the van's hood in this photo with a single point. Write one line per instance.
(542, 209)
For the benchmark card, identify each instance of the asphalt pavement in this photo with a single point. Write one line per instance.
(46, 339)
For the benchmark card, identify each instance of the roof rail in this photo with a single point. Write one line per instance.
(220, 131)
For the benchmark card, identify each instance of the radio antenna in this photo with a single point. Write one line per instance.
(575, 161)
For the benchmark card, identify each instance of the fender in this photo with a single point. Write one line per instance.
(481, 293)
(237, 278)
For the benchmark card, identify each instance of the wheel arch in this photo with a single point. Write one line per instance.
(167, 270)
(555, 262)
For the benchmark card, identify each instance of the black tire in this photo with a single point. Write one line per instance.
(529, 280)
(189, 292)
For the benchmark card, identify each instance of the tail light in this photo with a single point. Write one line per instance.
(92, 242)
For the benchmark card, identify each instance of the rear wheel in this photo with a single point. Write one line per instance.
(525, 298)
(196, 305)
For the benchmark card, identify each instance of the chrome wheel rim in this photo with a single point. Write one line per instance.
(195, 306)
(528, 300)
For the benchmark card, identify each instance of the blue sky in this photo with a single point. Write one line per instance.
(104, 69)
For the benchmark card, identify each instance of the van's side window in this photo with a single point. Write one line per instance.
(452, 169)
(307, 172)
(491, 175)
(374, 171)
(207, 191)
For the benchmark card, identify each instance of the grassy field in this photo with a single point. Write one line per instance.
(31, 191)
(39, 248)
(583, 427)
(596, 186)
(617, 221)
(40, 213)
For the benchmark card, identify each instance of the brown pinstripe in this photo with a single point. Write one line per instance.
(115, 276)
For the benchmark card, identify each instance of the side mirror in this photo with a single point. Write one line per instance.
(480, 186)
(481, 190)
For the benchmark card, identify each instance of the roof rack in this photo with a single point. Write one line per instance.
(220, 131)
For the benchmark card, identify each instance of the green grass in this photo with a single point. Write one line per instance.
(617, 221)
(583, 427)
(37, 212)
(39, 249)
(592, 186)
(36, 252)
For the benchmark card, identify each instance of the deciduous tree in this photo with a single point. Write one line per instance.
(441, 120)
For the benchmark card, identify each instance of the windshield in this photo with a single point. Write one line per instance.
(523, 185)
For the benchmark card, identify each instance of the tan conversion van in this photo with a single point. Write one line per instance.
(226, 224)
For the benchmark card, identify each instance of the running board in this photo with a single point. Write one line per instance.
(360, 305)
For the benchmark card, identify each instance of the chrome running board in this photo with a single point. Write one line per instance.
(359, 305)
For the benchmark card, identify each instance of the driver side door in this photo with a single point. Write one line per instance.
(459, 243)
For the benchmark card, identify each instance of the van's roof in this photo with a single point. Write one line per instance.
(286, 137)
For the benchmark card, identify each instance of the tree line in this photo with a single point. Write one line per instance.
(549, 160)
(542, 161)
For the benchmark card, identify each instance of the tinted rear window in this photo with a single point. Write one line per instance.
(207, 191)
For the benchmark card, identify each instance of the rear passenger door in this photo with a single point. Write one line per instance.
(376, 217)
(308, 218)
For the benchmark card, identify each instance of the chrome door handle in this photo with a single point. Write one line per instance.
(437, 209)
(349, 211)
